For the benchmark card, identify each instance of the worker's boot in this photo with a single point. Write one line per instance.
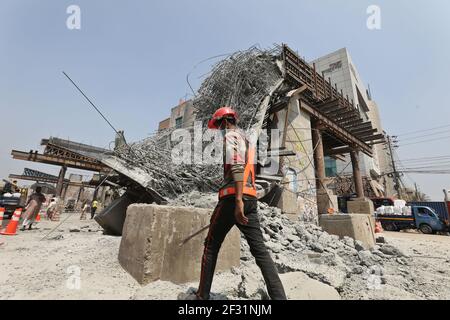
(24, 225)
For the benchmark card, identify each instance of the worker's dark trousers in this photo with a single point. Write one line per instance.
(93, 212)
(222, 221)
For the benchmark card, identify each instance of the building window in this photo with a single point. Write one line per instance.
(330, 167)
(178, 122)
(291, 175)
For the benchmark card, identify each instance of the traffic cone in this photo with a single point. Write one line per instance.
(38, 217)
(11, 229)
(378, 227)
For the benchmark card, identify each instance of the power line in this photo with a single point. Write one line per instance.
(430, 140)
(426, 159)
(425, 135)
(424, 130)
(428, 171)
(92, 104)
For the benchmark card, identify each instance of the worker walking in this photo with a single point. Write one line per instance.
(51, 209)
(93, 208)
(237, 206)
(33, 206)
(84, 210)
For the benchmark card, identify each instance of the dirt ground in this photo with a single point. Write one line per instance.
(424, 273)
(81, 264)
(76, 261)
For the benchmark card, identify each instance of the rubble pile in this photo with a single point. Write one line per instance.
(306, 248)
(195, 199)
(244, 80)
(343, 265)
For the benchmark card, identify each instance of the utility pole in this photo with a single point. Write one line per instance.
(418, 198)
(394, 169)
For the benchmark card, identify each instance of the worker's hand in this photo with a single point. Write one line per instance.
(239, 212)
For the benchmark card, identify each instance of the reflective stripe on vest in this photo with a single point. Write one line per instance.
(249, 179)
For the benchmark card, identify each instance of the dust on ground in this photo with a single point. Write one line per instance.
(77, 261)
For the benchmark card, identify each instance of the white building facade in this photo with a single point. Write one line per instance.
(338, 67)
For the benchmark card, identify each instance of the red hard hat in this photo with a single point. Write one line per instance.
(219, 114)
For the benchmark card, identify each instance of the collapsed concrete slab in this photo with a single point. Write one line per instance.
(150, 249)
(357, 226)
(112, 218)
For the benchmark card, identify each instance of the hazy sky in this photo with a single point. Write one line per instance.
(132, 57)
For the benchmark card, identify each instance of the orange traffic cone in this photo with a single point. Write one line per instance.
(38, 218)
(378, 227)
(11, 229)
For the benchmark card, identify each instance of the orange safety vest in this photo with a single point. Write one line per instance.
(249, 178)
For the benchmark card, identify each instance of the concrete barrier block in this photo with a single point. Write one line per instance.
(150, 249)
(364, 206)
(325, 200)
(357, 226)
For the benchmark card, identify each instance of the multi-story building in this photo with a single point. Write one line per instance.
(181, 116)
(339, 68)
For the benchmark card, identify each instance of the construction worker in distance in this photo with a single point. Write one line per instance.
(33, 206)
(93, 208)
(237, 206)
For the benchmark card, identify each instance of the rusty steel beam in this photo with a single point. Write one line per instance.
(345, 121)
(327, 104)
(335, 129)
(349, 123)
(50, 180)
(342, 113)
(359, 126)
(372, 143)
(365, 132)
(334, 152)
(375, 137)
(55, 160)
(338, 157)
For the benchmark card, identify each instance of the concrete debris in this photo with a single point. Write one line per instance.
(252, 285)
(380, 239)
(391, 250)
(298, 286)
(306, 274)
(297, 246)
(207, 200)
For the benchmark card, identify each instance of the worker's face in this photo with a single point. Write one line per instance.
(223, 127)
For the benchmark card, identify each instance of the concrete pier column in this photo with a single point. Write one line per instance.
(319, 160)
(354, 155)
(326, 200)
(63, 196)
(60, 184)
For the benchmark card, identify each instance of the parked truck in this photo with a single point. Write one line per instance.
(423, 218)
